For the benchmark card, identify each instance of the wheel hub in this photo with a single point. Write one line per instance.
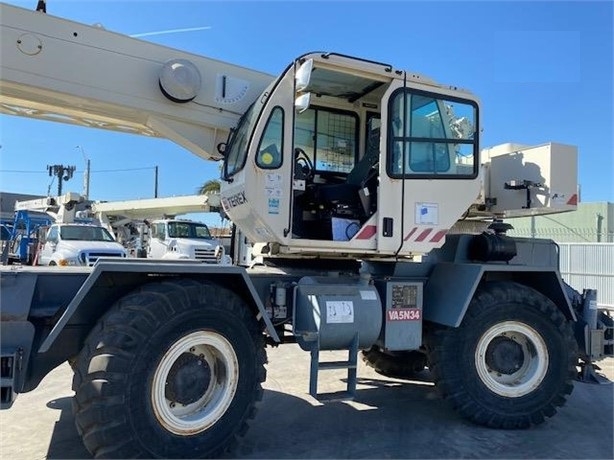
(504, 355)
(188, 379)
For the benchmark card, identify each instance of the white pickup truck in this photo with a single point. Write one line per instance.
(77, 245)
(184, 239)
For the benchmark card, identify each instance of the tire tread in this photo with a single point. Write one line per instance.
(110, 349)
(448, 377)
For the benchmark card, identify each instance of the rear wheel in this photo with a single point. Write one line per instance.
(400, 365)
(512, 360)
(172, 370)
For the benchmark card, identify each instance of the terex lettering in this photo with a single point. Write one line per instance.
(234, 200)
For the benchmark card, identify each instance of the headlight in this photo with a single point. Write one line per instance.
(67, 262)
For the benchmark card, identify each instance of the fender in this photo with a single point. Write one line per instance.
(451, 287)
(112, 279)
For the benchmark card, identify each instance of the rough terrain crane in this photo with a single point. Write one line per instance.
(378, 223)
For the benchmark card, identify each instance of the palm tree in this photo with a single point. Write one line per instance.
(211, 186)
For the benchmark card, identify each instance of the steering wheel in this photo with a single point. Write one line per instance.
(303, 163)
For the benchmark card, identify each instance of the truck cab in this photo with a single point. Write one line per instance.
(184, 239)
(77, 245)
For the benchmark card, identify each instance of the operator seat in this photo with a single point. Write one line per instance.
(351, 193)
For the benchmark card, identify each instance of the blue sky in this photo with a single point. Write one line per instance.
(543, 72)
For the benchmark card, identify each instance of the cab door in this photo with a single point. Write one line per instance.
(430, 175)
(157, 241)
(51, 242)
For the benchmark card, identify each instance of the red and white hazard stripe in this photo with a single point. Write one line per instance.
(367, 233)
(429, 235)
(415, 235)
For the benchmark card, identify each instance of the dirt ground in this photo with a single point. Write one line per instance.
(388, 419)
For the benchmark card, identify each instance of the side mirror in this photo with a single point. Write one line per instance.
(303, 75)
(302, 102)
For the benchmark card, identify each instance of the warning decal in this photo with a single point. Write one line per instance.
(341, 311)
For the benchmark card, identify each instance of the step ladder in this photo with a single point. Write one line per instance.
(351, 365)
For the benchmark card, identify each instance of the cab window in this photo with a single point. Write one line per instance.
(5, 233)
(238, 142)
(329, 138)
(432, 136)
(52, 236)
(270, 147)
(158, 231)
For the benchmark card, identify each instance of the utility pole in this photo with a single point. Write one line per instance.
(156, 183)
(63, 173)
(86, 174)
(86, 180)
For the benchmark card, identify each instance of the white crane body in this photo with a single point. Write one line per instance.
(369, 197)
(64, 71)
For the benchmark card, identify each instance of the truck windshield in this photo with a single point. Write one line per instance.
(85, 233)
(188, 230)
(238, 143)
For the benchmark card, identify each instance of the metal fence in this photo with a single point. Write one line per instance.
(567, 234)
(590, 266)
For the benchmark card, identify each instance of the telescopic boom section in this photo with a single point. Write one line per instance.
(157, 207)
(55, 69)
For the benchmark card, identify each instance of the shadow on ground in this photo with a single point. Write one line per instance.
(396, 419)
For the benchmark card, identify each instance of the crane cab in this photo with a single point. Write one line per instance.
(347, 157)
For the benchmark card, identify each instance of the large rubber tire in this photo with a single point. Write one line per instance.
(512, 360)
(398, 365)
(172, 370)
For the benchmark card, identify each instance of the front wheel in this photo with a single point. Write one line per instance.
(512, 360)
(172, 370)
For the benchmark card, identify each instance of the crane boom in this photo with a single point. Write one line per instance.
(158, 207)
(118, 80)
(61, 208)
(338, 156)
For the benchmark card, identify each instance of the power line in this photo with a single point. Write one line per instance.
(122, 170)
(20, 171)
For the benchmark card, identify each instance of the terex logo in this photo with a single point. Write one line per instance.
(234, 200)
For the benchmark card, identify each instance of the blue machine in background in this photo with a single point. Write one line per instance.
(22, 242)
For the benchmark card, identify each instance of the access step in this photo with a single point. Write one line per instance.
(351, 365)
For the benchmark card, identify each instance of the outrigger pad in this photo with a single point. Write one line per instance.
(588, 374)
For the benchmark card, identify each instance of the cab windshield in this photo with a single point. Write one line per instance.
(238, 142)
(85, 233)
(188, 230)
